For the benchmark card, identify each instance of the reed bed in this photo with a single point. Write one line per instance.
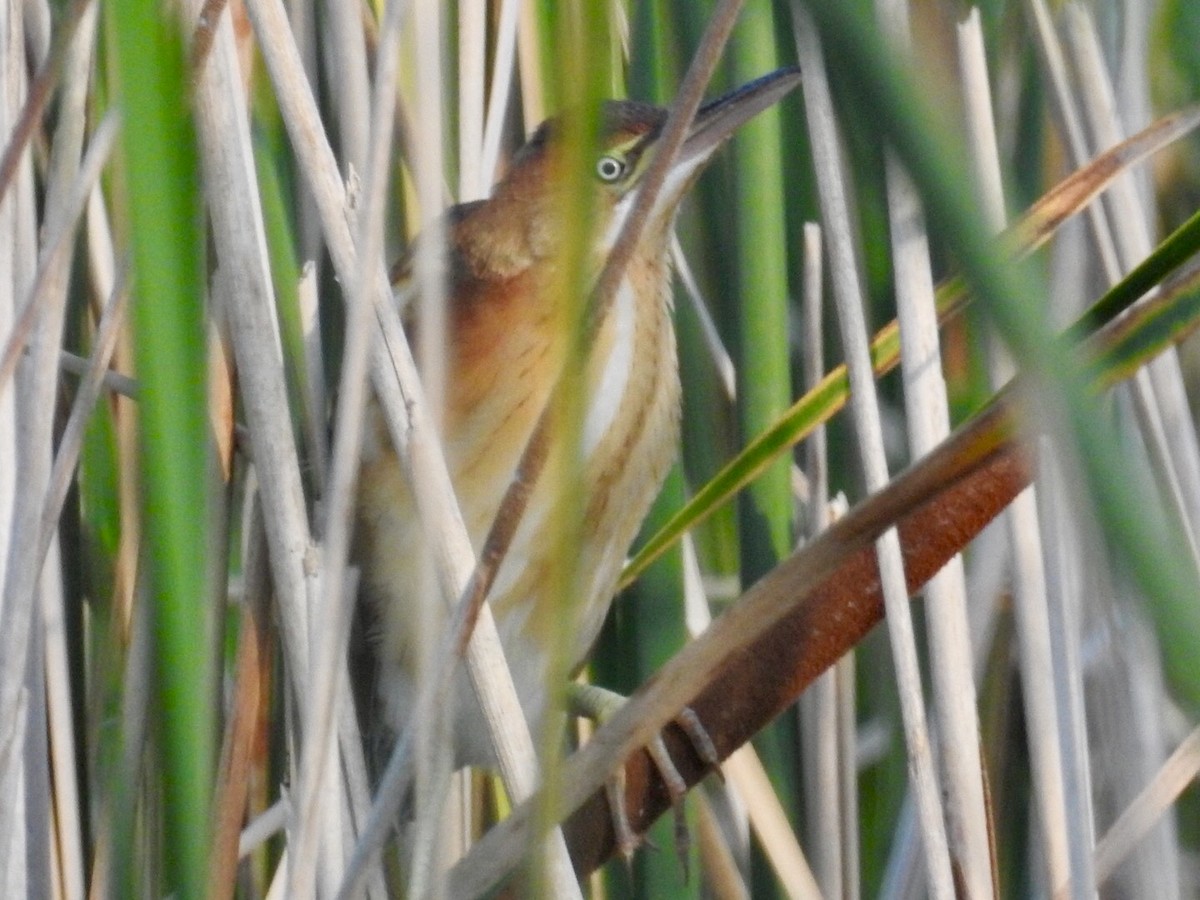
(946, 643)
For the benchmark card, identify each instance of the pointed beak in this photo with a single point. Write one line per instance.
(714, 124)
(717, 120)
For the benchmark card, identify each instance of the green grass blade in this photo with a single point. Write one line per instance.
(765, 387)
(160, 169)
(763, 358)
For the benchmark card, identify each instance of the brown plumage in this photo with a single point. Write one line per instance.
(506, 347)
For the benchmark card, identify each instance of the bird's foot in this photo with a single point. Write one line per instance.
(600, 704)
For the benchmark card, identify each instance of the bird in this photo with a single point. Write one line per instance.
(505, 348)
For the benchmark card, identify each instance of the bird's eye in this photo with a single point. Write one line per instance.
(609, 169)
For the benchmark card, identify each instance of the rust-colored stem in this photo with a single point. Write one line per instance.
(768, 676)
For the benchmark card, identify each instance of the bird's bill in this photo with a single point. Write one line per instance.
(718, 119)
(715, 122)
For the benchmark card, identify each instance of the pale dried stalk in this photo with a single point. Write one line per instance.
(314, 369)
(431, 727)
(1064, 109)
(1168, 431)
(71, 441)
(722, 876)
(238, 230)
(34, 101)
(1159, 393)
(731, 817)
(331, 620)
(1097, 107)
(38, 31)
(1150, 805)
(68, 186)
(16, 227)
(722, 361)
(847, 741)
(48, 287)
(1065, 592)
(1165, 425)
(1065, 581)
(112, 381)
(263, 827)
(529, 64)
(746, 772)
(472, 56)
(346, 47)
(68, 808)
(497, 108)
(928, 418)
(39, 814)
(1021, 522)
(13, 841)
(865, 413)
(102, 258)
(279, 886)
(831, 732)
(233, 198)
(818, 705)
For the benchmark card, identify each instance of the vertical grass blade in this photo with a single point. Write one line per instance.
(165, 236)
(765, 377)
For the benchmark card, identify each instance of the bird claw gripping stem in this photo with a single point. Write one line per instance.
(600, 704)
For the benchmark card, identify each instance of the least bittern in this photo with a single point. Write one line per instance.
(505, 351)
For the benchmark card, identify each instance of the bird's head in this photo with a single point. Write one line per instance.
(530, 206)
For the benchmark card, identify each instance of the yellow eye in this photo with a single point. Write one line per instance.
(609, 169)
